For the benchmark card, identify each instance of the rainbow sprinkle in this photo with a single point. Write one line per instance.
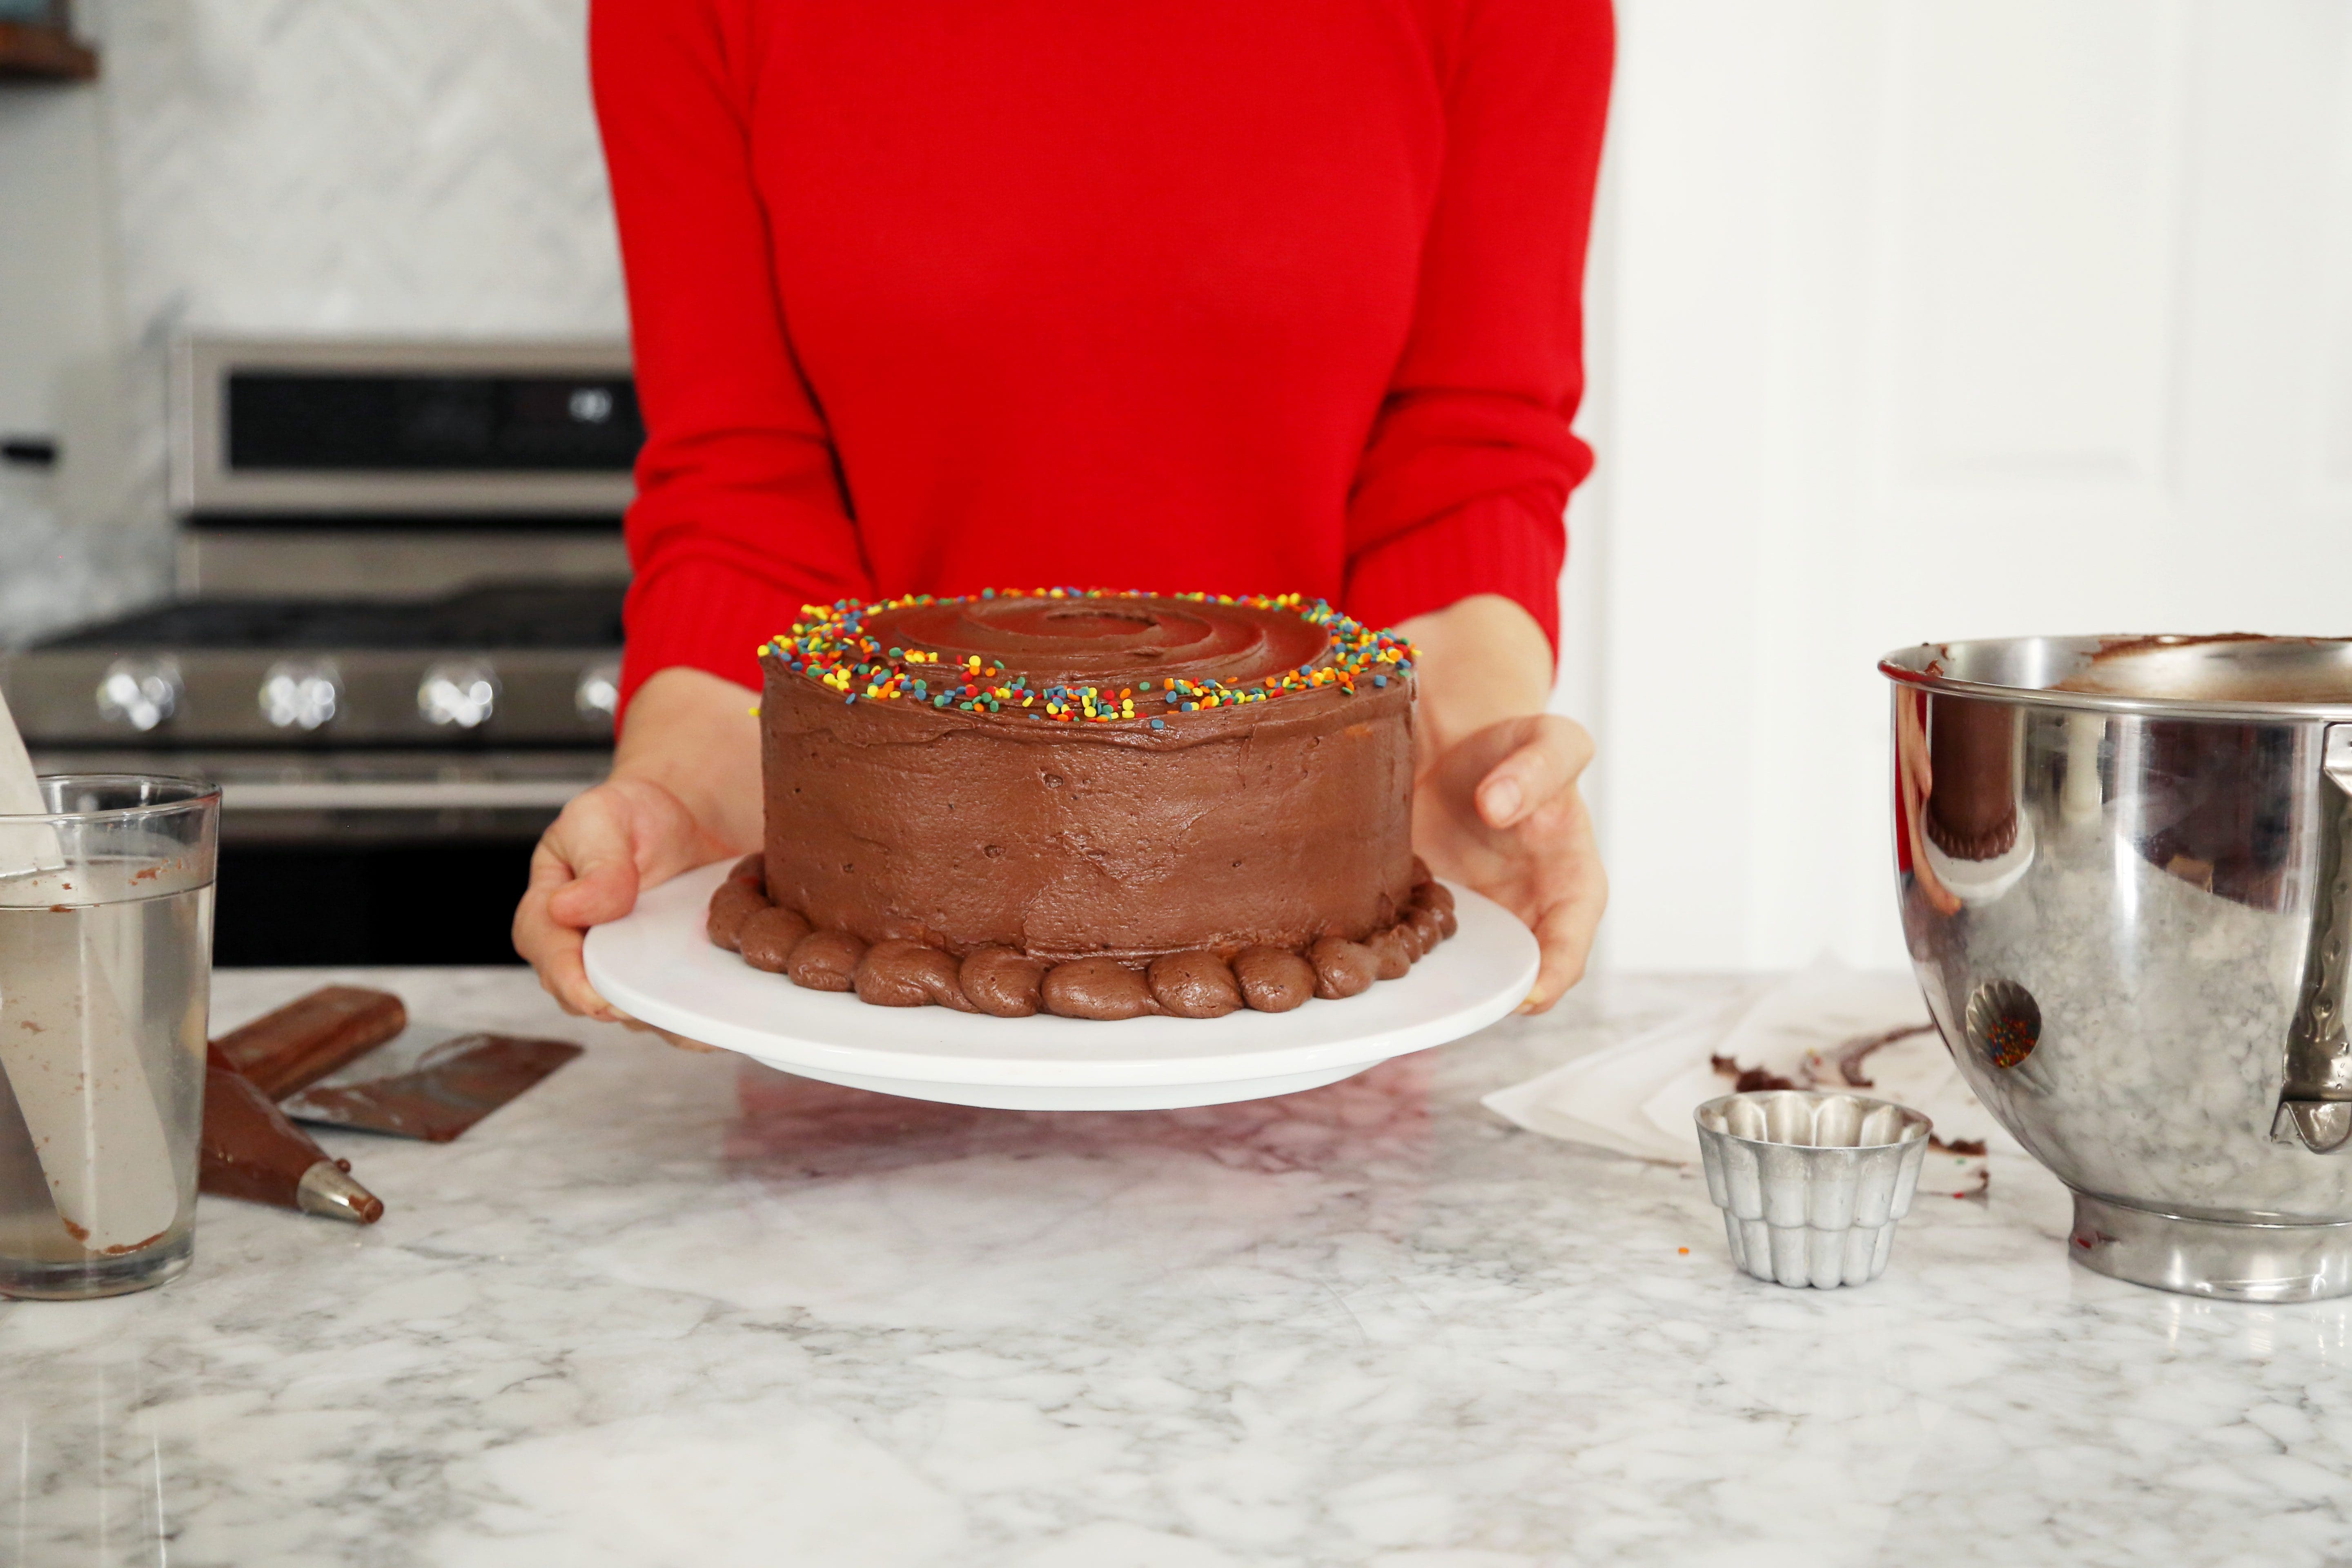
(829, 645)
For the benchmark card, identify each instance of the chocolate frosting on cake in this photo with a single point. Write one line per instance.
(1972, 790)
(1270, 803)
(985, 804)
(1111, 640)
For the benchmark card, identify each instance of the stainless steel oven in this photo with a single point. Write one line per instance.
(396, 643)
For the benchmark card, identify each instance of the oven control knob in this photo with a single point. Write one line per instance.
(141, 692)
(460, 691)
(598, 695)
(301, 693)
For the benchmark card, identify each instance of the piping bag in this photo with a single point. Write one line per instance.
(252, 1151)
(332, 1044)
(66, 1039)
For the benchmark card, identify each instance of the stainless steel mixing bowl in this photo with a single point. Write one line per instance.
(2126, 874)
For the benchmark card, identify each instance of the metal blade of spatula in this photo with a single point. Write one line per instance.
(430, 1083)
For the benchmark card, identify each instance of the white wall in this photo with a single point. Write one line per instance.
(1929, 321)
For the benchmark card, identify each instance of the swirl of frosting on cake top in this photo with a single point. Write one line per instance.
(1077, 656)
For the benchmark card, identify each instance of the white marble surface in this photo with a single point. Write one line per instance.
(668, 1309)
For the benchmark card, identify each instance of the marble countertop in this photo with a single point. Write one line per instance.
(671, 1309)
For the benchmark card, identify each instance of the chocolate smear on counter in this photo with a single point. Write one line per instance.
(1847, 1059)
(1749, 1080)
(430, 1084)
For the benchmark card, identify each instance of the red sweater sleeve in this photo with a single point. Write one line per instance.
(1464, 484)
(739, 518)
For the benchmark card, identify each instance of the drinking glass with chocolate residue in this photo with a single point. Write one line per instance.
(106, 917)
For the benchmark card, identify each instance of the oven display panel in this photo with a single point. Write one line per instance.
(306, 421)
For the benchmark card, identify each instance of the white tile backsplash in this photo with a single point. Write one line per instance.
(422, 166)
(405, 167)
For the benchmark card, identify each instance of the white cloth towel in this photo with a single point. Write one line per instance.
(1637, 1097)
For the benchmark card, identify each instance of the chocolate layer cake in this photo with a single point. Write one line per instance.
(1095, 804)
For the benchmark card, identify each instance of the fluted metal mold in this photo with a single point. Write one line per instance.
(1812, 1185)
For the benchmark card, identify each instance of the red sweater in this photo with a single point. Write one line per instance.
(1257, 296)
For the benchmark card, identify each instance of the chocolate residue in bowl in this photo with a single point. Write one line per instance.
(2216, 667)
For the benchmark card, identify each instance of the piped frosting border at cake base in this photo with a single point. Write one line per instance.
(1198, 983)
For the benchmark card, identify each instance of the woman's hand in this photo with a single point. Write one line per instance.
(1500, 811)
(684, 791)
(1495, 802)
(623, 836)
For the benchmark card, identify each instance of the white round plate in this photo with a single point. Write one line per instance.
(656, 965)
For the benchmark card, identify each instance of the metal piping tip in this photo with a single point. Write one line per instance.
(327, 1189)
(2322, 1126)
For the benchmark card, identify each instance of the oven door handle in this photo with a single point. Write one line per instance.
(408, 794)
